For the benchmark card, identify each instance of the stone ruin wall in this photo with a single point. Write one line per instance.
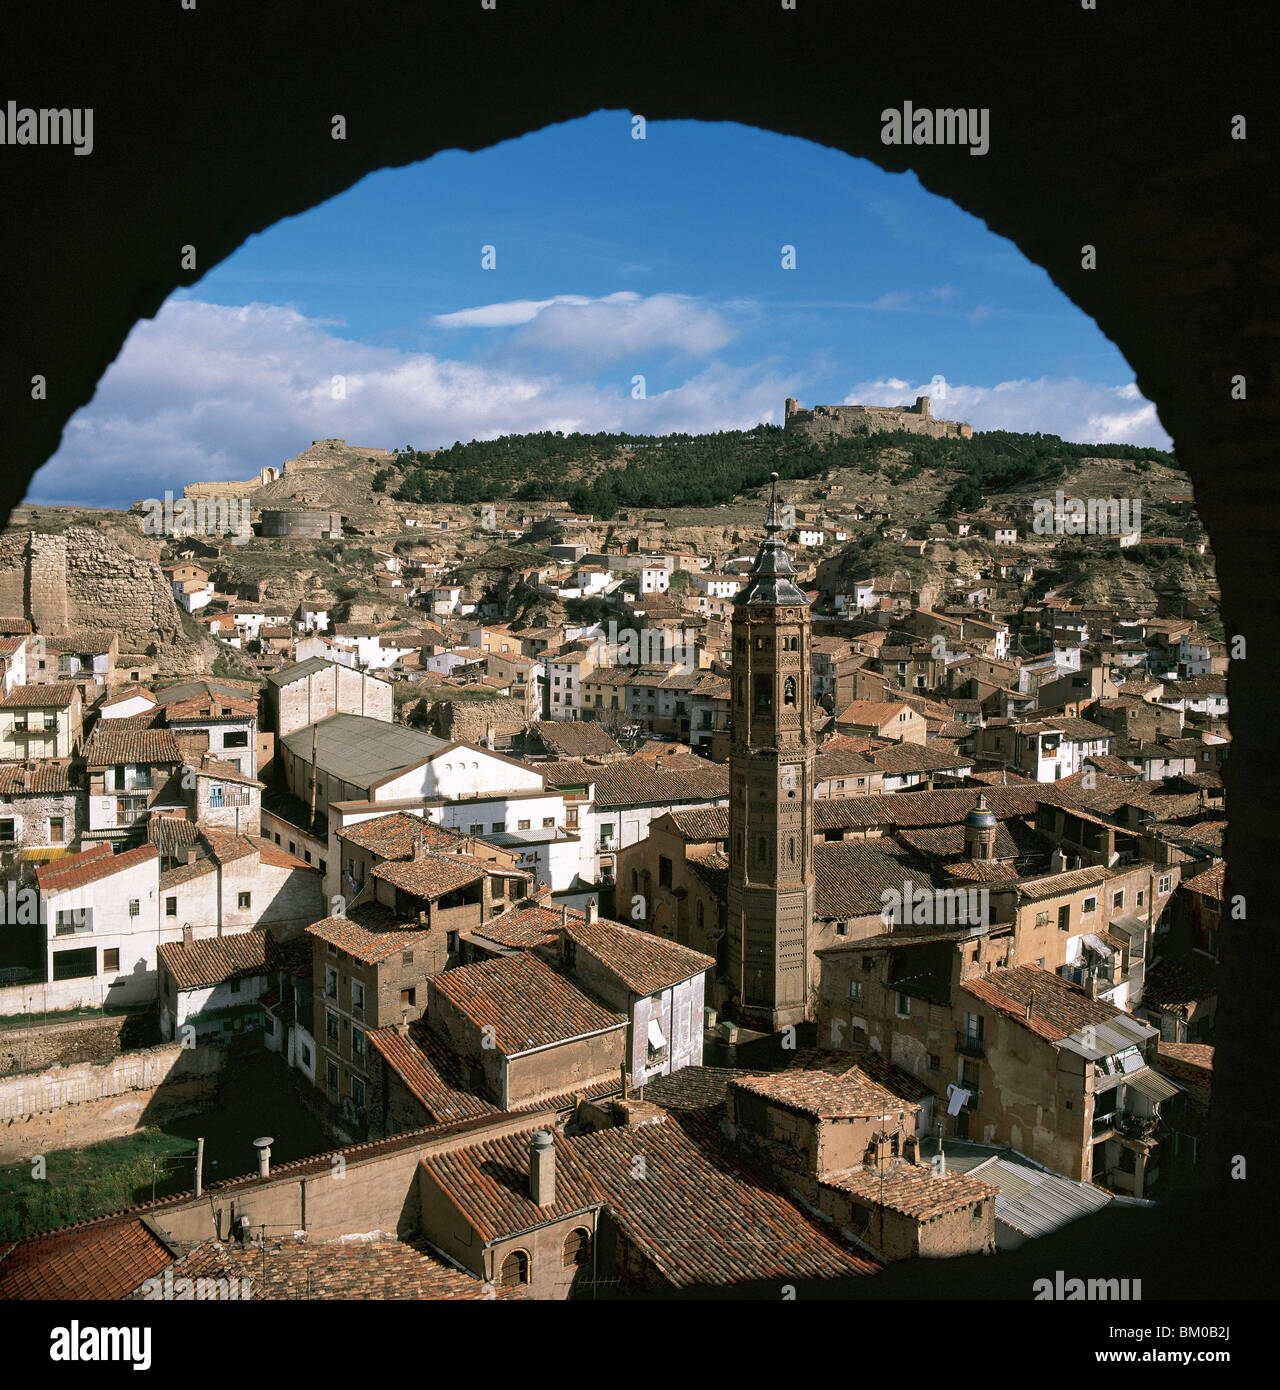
(80, 578)
(825, 422)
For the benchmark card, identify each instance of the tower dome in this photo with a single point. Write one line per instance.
(980, 831)
(980, 818)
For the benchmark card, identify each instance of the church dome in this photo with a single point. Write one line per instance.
(980, 818)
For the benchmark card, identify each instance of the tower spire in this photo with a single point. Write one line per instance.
(772, 523)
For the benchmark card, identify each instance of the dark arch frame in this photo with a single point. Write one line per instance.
(1109, 128)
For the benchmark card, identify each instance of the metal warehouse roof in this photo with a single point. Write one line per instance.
(362, 751)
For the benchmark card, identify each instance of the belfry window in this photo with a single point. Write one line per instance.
(764, 693)
(789, 691)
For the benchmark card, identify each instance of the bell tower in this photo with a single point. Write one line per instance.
(771, 792)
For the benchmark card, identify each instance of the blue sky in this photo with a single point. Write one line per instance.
(615, 258)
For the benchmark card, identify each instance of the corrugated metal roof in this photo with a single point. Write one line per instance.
(362, 751)
(1152, 1085)
(1036, 1203)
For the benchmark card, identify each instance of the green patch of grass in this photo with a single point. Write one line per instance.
(83, 1183)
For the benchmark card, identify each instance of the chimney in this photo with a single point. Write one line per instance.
(542, 1168)
(1031, 999)
(263, 1147)
(419, 848)
(591, 910)
(186, 933)
(403, 1026)
(1091, 985)
(543, 894)
(564, 915)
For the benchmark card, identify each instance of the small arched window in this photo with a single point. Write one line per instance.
(791, 849)
(762, 849)
(701, 915)
(577, 1247)
(789, 691)
(515, 1270)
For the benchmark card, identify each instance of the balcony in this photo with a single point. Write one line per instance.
(970, 1045)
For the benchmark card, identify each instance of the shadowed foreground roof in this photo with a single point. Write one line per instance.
(701, 1216)
(100, 1261)
(292, 1268)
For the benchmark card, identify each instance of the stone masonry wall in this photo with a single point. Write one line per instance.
(66, 1106)
(825, 422)
(80, 578)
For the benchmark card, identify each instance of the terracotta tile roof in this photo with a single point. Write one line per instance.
(524, 1001)
(371, 933)
(713, 871)
(1051, 885)
(1177, 984)
(576, 738)
(429, 1071)
(1058, 1009)
(702, 1216)
(1211, 883)
(1194, 1060)
(522, 927)
(823, 1095)
(1113, 766)
(48, 777)
(394, 836)
(221, 771)
(851, 875)
(209, 705)
(429, 875)
(98, 862)
(645, 963)
(294, 1268)
(644, 781)
(185, 873)
(225, 846)
(870, 712)
(216, 959)
(981, 871)
(692, 1088)
(842, 762)
(947, 807)
(915, 1190)
(172, 834)
(55, 695)
(886, 1074)
(102, 1261)
(489, 1184)
(704, 826)
(945, 841)
(110, 745)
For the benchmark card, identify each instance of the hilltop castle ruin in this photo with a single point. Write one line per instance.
(825, 422)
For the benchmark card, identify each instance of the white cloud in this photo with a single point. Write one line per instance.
(206, 391)
(1084, 412)
(901, 299)
(586, 331)
(508, 315)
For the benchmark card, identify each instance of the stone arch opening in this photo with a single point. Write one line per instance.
(1183, 281)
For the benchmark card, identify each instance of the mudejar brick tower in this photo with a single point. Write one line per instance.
(771, 792)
